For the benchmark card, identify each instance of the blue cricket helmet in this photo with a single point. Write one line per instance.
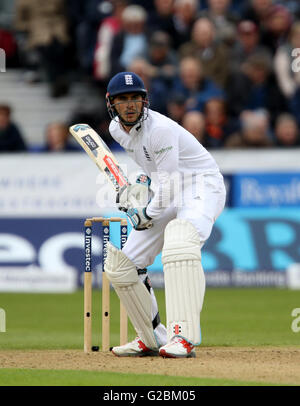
(126, 82)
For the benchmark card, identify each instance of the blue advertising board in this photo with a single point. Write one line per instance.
(254, 239)
(243, 240)
(266, 189)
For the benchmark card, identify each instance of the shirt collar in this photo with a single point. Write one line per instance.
(136, 129)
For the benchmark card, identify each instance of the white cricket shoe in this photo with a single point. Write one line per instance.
(178, 347)
(135, 348)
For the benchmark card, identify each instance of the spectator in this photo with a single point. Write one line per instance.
(286, 131)
(58, 139)
(161, 57)
(277, 27)
(8, 44)
(109, 27)
(6, 14)
(84, 18)
(93, 113)
(288, 75)
(148, 5)
(11, 139)
(184, 15)
(161, 18)
(255, 87)
(156, 87)
(293, 6)
(176, 106)
(218, 125)
(255, 131)
(46, 28)
(131, 41)
(193, 85)
(225, 20)
(213, 55)
(248, 43)
(194, 122)
(256, 11)
(8, 41)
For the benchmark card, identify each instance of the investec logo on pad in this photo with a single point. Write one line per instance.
(90, 142)
(128, 80)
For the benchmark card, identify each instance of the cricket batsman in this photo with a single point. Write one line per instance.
(176, 218)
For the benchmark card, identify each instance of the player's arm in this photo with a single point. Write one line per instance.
(141, 211)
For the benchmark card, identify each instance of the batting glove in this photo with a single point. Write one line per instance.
(135, 196)
(139, 219)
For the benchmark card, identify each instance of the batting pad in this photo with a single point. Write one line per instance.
(184, 280)
(135, 297)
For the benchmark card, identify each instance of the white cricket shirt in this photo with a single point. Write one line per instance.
(161, 146)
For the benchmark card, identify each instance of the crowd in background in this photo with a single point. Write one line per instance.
(227, 70)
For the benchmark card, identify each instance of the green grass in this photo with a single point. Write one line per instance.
(230, 317)
(249, 317)
(41, 377)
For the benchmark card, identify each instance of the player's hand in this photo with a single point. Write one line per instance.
(139, 219)
(137, 195)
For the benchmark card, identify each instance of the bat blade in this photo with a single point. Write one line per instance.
(100, 153)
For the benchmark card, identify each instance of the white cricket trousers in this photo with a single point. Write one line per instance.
(143, 246)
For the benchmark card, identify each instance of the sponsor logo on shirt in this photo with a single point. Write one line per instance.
(163, 150)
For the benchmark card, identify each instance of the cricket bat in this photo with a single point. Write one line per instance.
(100, 153)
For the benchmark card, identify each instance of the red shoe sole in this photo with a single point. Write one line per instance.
(164, 354)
